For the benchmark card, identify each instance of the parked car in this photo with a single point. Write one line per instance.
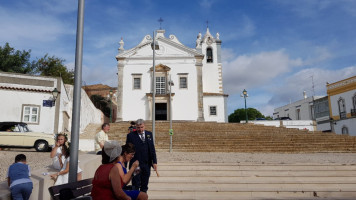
(283, 118)
(260, 119)
(17, 134)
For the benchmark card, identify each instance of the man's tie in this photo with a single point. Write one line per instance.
(142, 137)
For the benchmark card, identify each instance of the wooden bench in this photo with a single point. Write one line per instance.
(77, 190)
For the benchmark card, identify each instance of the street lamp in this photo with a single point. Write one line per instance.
(170, 83)
(110, 95)
(245, 95)
(154, 46)
(55, 93)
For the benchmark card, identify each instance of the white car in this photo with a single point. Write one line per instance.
(17, 134)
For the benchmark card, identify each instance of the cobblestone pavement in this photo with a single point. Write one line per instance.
(38, 160)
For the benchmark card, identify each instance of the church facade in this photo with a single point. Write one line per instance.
(197, 93)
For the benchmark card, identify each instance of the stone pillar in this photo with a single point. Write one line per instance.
(120, 76)
(199, 66)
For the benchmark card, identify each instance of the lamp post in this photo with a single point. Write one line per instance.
(245, 95)
(110, 96)
(154, 46)
(170, 83)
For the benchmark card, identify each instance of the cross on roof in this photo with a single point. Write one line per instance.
(160, 20)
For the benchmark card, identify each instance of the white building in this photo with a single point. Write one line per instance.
(28, 98)
(299, 110)
(342, 106)
(197, 94)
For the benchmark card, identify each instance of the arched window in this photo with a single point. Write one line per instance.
(209, 55)
(353, 111)
(344, 130)
(342, 109)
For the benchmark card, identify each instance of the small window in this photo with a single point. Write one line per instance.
(137, 83)
(345, 130)
(209, 55)
(30, 114)
(183, 82)
(212, 110)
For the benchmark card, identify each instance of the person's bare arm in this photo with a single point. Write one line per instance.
(54, 150)
(66, 170)
(127, 177)
(116, 183)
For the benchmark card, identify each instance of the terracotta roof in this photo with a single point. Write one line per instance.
(97, 87)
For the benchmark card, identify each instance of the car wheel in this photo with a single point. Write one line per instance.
(41, 146)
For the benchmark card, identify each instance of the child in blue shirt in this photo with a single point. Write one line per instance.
(18, 179)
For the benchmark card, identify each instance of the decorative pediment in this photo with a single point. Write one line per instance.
(169, 47)
(161, 68)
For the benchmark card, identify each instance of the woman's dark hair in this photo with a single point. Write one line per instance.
(133, 123)
(128, 148)
(105, 124)
(66, 151)
(20, 158)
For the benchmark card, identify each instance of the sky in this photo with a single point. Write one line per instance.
(275, 49)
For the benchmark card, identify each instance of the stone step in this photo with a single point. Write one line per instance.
(189, 180)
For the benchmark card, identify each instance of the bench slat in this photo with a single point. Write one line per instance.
(75, 189)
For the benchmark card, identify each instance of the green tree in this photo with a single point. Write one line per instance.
(15, 61)
(239, 115)
(52, 66)
(101, 103)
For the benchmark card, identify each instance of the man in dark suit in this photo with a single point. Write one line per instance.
(145, 154)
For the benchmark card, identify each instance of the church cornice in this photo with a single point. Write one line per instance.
(214, 94)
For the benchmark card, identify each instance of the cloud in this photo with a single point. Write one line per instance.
(29, 26)
(249, 71)
(243, 27)
(292, 87)
(206, 4)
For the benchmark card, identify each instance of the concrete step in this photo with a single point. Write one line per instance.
(189, 180)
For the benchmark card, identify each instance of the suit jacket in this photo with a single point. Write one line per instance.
(135, 139)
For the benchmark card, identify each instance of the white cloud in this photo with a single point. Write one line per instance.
(293, 86)
(249, 71)
(243, 27)
(29, 26)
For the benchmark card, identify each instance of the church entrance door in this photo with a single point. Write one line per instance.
(161, 111)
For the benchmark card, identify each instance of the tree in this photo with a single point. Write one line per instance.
(52, 66)
(15, 61)
(101, 103)
(240, 115)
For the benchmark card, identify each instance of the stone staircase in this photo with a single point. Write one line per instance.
(234, 181)
(235, 137)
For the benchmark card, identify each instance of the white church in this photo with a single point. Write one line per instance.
(197, 93)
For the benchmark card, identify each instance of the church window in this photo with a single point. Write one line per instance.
(212, 110)
(136, 81)
(183, 82)
(30, 114)
(209, 55)
(161, 85)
